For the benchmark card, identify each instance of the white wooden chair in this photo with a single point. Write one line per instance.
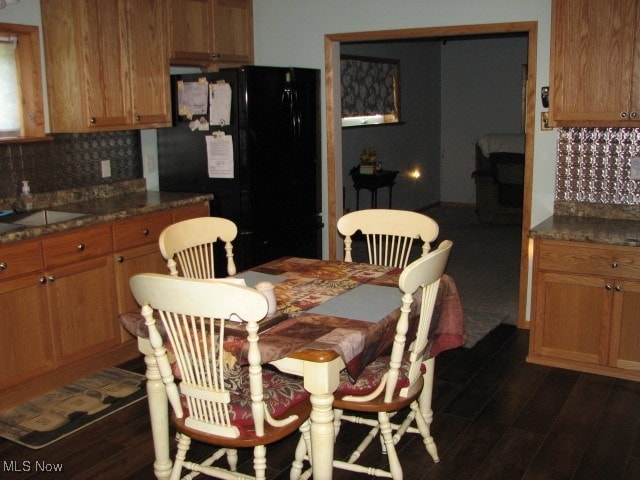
(217, 401)
(389, 234)
(189, 246)
(389, 384)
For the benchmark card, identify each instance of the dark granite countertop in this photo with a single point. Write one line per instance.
(609, 231)
(104, 205)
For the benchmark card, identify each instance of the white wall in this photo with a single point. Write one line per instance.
(291, 32)
(481, 93)
(415, 144)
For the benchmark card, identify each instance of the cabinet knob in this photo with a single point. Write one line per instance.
(623, 114)
(615, 265)
(137, 118)
(92, 120)
(43, 280)
(608, 286)
(51, 278)
(3, 265)
(80, 247)
(120, 259)
(634, 115)
(618, 288)
(215, 56)
(145, 232)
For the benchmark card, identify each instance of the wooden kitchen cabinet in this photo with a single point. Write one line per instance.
(26, 348)
(586, 304)
(107, 68)
(211, 33)
(136, 249)
(81, 293)
(594, 56)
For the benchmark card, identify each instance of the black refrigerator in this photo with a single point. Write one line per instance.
(274, 196)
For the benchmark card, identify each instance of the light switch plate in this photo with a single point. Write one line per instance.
(106, 168)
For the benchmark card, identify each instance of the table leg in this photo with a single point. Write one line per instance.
(321, 380)
(158, 412)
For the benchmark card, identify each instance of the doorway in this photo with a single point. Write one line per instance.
(334, 133)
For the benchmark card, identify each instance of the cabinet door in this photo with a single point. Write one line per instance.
(233, 31)
(89, 323)
(572, 318)
(145, 259)
(103, 45)
(191, 30)
(26, 350)
(592, 67)
(625, 328)
(148, 59)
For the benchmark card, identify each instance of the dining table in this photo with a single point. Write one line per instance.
(332, 317)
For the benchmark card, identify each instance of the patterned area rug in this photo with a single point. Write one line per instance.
(54, 415)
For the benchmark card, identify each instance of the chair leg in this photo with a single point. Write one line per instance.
(260, 461)
(303, 449)
(425, 431)
(424, 412)
(337, 421)
(387, 434)
(232, 459)
(183, 447)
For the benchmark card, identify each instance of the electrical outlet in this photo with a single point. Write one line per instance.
(634, 174)
(106, 168)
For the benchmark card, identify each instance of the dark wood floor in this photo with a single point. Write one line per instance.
(496, 417)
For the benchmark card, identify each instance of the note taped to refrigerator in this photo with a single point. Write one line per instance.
(192, 98)
(220, 104)
(220, 155)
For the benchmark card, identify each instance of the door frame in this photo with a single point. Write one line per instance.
(334, 128)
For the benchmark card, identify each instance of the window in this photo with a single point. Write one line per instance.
(10, 114)
(370, 91)
(21, 105)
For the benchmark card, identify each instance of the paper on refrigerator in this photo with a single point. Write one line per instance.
(219, 155)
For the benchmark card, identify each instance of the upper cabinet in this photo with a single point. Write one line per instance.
(594, 56)
(211, 33)
(107, 68)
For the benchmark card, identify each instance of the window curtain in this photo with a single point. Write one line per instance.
(9, 92)
(367, 86)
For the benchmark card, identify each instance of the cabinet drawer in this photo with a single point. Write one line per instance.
(142, 230)
(19, 258)
(607, 261)
(78, 245)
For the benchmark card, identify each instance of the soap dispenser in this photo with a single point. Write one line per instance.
(26, 196)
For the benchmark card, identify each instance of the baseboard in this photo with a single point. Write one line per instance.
(15, 394)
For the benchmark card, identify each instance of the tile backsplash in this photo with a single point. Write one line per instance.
(71, 160)
(594, 165)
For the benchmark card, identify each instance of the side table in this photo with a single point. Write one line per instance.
(372, 182)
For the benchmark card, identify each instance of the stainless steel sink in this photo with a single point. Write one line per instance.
(41, 217)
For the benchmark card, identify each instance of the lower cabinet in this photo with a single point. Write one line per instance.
(61, 295)
(26, 347)
(586, 308)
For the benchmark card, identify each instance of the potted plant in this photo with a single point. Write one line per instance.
(368, 160)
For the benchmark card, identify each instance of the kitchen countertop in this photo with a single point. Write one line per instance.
(608, 231)
(123, 202)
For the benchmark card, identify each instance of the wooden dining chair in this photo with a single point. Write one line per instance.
(189, 246)
(217, 401)
(389, 234)
(391, 383)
